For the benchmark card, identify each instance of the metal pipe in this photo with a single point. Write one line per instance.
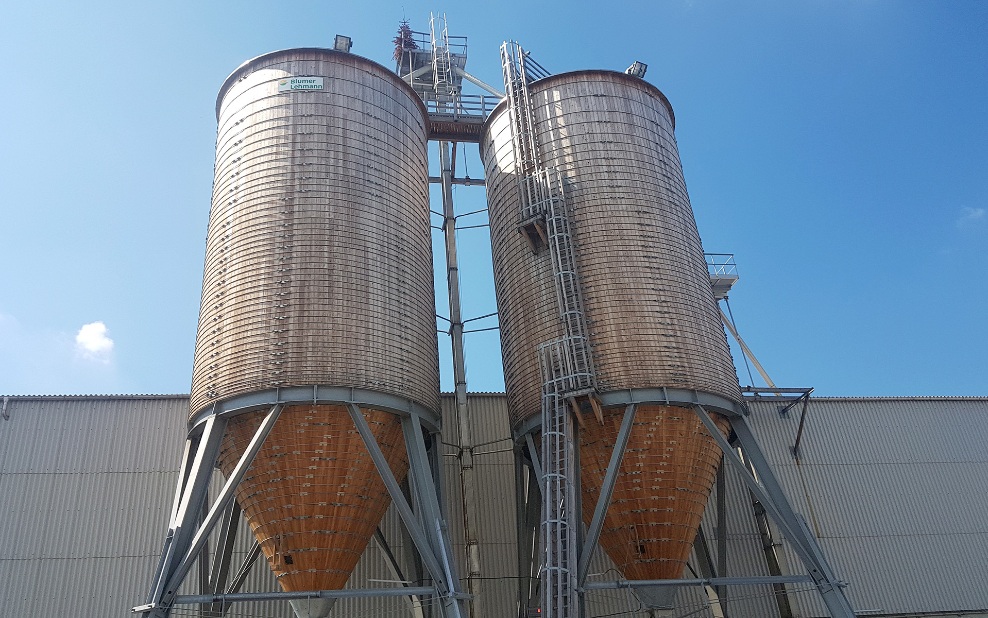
(465, 437)
(799, 432)
(478, 82)
(744, 347)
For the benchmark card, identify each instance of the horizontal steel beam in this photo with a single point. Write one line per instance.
(656, 396)
(317, 394)
(712, 581)
(469, 182)
(188, 599)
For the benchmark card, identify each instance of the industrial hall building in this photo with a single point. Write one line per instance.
(895, 488)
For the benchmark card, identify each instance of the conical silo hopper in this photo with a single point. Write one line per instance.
(318, 275)
(653, 323)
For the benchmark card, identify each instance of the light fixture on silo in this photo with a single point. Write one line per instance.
(637, 69)
(342, 43)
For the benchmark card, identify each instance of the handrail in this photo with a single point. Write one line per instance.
(461, 105)
(721, 265)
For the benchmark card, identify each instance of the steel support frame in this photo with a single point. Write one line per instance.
(763, 484)
(185, 540)
(770, 493)
(192, 519)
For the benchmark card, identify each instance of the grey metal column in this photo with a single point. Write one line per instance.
(224, 556)
(464, 433)
(193, 481)
(773, 498)
(391, 560)
(528, 497)
(722, 530)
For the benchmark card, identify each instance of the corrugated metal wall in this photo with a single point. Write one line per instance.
(896, 488)
(897, 492)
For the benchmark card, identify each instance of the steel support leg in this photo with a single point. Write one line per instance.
(722, 530)
(534, 452)
(428, 539)
(415, 529)
(224, 556)
(190, 495)
(705, 566)
(528, 498)
(414, 601)
(455, 605)
(769, 492)
(188, 543)
(606, 491)
(238, 580)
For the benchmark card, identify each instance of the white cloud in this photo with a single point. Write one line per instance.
(970, 216)
(35, 360)
(92, 342)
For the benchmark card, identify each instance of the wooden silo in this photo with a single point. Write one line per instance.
(651, 318)
(318, 274)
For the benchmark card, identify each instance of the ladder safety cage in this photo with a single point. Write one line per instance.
(566, 363)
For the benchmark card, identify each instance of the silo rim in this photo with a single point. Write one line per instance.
(232, 78)
(559, 76)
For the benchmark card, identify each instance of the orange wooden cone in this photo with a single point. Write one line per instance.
(313, 496)
(666, 475)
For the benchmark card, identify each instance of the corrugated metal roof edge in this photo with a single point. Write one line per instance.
(905, 398)
(87, 397)
(498, 394)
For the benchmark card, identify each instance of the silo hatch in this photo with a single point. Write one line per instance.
(534, 229)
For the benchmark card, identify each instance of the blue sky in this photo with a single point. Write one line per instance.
(839, 149)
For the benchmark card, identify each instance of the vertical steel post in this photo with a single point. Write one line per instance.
(465, 437)
(721, 528)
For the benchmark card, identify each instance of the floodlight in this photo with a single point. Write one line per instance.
(342, 43)
(637, 69)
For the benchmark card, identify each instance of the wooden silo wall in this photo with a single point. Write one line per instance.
(650, 311)
(318, 253)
